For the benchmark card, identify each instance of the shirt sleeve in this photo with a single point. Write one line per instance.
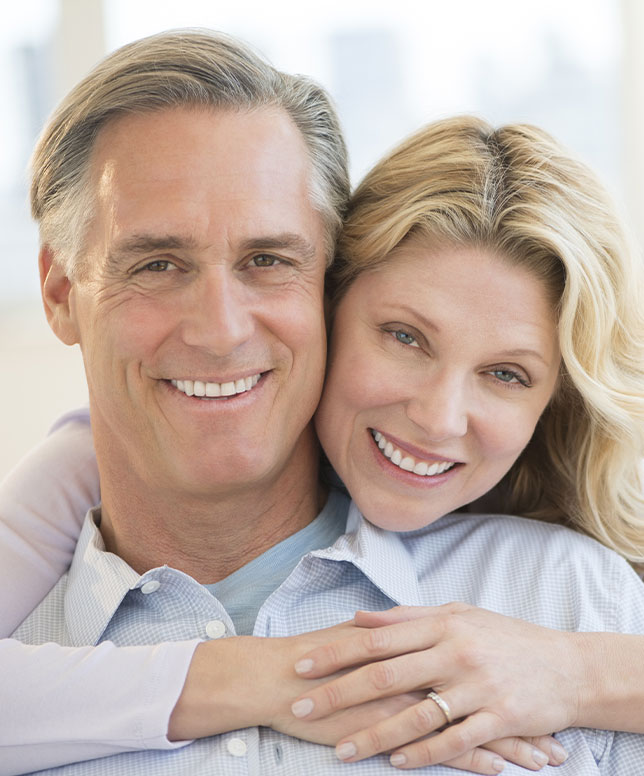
(65, 704)
(43, 501)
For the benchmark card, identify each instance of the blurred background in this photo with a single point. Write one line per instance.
(575, 67)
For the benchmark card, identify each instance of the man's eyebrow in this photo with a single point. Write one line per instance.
(289, 241)
(140, 244)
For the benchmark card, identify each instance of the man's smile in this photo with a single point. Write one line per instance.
(213, 390)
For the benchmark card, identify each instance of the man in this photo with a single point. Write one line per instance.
(188, 198)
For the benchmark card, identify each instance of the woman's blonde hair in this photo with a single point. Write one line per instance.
(516, 192)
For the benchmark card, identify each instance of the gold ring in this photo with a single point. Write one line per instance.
(442, 705)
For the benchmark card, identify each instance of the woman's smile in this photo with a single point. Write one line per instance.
(441, 362)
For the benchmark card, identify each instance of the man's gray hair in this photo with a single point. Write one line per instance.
(192, 68)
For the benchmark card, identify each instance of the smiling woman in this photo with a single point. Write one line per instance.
(435, 354)
(506, 221)
(488, 340)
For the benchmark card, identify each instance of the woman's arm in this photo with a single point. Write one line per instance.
(502, 676)
(43, 501)
(63, 704)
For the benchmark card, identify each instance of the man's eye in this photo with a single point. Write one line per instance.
(159, 265)
(265, 260)
(405, 338)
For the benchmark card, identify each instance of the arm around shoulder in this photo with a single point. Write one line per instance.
(65, 704)
(43, 501)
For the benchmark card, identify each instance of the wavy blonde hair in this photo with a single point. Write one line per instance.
(515, 191)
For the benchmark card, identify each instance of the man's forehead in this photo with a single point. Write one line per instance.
(186, 175)
(226, 143)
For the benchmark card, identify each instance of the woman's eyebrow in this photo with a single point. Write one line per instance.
(518, 352)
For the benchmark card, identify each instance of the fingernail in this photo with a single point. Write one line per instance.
(303, 666)
(559, 753)
(303, 707)
(539, 757)
(398, 759)
(346, 750)
(498, 764)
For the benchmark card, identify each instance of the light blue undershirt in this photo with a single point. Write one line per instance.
(245, 590)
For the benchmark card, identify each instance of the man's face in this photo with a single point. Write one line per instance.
(201, 318)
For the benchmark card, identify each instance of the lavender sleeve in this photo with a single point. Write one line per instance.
(64, 704)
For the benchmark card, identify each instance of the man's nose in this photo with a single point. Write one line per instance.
(440, 408)
(219, 314)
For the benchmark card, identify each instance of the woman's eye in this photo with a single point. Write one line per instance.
(509, 377)
(265, 260)
(405, 338)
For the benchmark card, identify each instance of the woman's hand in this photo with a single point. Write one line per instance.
(499, 676)
(245, 681)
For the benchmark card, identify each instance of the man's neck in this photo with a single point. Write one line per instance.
(208, 538)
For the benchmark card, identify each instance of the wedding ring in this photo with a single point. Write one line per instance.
(442, 705)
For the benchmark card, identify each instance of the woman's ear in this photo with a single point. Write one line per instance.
(56, 288)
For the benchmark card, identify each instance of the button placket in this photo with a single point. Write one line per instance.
(215, 629)
(237, 747)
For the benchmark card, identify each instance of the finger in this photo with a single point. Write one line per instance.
(398, 614)
(520, 752)
(452, 742)
(548, 744)
(395, 731)
(476, 761)
(366, 645)
(375, 680)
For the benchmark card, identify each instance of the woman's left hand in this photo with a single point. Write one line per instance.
(501, 677)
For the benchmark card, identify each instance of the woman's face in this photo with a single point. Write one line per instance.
(441, 362)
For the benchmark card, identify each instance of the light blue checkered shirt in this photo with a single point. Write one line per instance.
(542, 573)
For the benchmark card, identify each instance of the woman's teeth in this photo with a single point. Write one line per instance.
(406, 462)
(213, 390)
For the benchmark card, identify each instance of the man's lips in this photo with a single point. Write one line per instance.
(202, 388)
(424, 467)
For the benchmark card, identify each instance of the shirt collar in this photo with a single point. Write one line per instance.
(97, 583)
(380, 555)
(99, 580)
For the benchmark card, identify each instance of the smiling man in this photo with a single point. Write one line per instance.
(200, 318)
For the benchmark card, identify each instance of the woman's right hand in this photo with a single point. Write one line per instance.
(500, 677)
(246, 681)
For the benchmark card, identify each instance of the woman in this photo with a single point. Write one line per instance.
(447, 202)
(387, 236)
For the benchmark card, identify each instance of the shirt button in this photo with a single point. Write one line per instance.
(237, 747)
(215, 629)
(150, 587)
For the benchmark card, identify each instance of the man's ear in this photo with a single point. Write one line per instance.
(55, 287)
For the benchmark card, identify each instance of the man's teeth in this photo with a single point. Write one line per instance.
(406, 462)
(212, 390)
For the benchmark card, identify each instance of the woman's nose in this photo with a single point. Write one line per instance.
(440, 409)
